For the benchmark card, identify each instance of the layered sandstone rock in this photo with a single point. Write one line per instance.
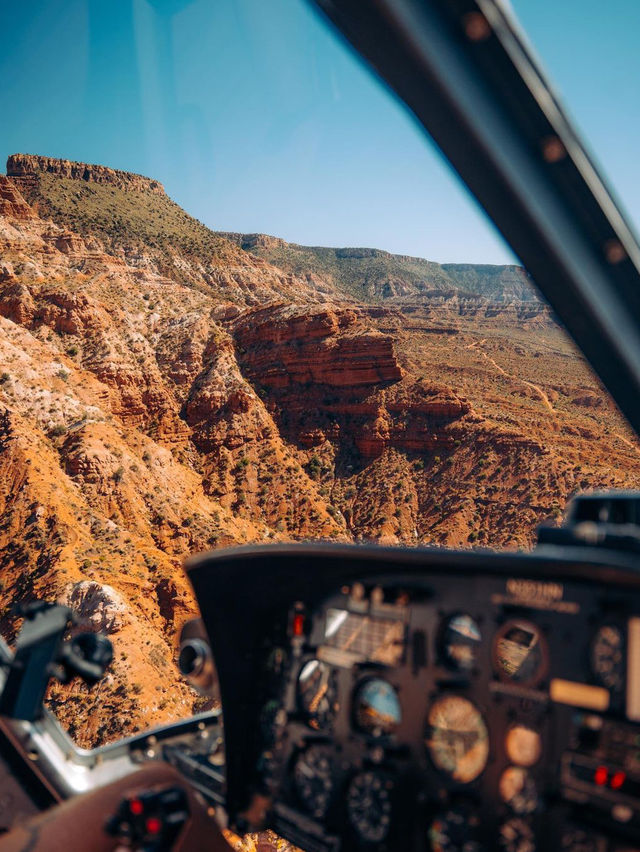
(27, 166)
(287, 346)
(330, 361)
(12, 204)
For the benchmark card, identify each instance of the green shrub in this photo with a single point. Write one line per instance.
(315, 467)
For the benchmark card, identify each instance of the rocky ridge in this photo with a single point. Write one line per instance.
(373, 275)
(25, 168)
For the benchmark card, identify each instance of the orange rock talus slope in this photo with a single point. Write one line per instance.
(165, 389)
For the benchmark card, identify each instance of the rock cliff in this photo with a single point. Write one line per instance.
(28, 166)
(12, 204)
(330, 361)
(329, 346)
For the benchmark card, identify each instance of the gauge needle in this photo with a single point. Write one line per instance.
(318, 697)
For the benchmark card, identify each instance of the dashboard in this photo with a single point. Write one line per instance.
(379, 699)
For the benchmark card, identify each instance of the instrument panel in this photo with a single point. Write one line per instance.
(454, 713)
(490, 726)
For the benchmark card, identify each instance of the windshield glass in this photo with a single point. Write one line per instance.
(295, 326)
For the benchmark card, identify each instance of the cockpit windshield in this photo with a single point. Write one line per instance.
(243, 299)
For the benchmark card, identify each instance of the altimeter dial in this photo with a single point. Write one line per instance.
(523, 745)
(369, 806)
(313, 779)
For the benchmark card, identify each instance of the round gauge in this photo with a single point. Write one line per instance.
(459, 642)
(454, 831)
(578, 840)
(313, 779)
(317, 693)
(518, 790)
(516, 835)
(377, 707)
(607, 658)
(523, 745)
(369, 806)
(520, 653)
(457, 738)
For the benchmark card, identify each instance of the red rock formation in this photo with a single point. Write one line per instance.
(12, 204)
(223, 409)
(16, 302)
(27, 166)
(323, 345)
(329, 361)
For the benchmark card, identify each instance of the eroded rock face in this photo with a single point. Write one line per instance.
(331, 361)
(99, 605)
(28, 165)
(222, 409)
(12, 204)
(324, 346)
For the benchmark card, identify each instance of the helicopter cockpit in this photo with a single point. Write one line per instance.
(365, 697)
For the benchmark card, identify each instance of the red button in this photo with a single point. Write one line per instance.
(153, 825)
(600, 776)
(618, 780)
(136, 807)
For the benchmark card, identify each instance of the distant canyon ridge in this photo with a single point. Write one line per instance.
(167, 389)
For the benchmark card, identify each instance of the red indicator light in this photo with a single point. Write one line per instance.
(600, 776)
(298, 624)
(153, 825)
(136, 807)
(618, 780)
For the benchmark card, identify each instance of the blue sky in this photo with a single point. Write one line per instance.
(257, 119)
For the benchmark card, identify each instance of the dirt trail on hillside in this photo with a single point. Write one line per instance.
(476, 343)
(543, 396)
(629, 443)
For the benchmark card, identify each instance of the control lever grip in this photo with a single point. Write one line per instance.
(87, 655)
(43, 652)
